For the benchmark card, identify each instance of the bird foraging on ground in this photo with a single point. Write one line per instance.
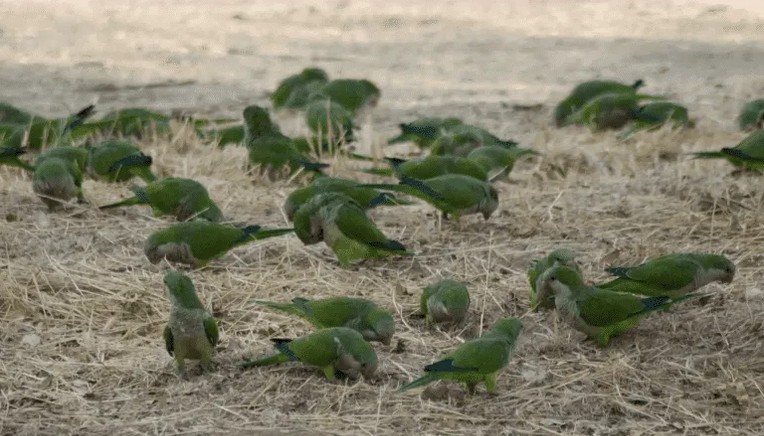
(445, 301)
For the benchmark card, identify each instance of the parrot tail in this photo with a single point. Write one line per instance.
(638, 84)
(389, 245)
(422, 131)
(398, 139)
(618, 271)
(314, 166)
(509, 143)
(126, 202)
(255, 232)
(386, 199)
(9, 151)
(284, 307)
(394, 161)
(132, 161)
(265, 361)
(80, 117)
(740, 154)
(421, 381)
(421, 187)
(283, 346)
(708, 155)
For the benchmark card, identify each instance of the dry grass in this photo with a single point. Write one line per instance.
(82, 309)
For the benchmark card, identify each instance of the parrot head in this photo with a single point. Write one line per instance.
(561, 278)
(490, 203)
(356, 356)
(257, 121)
(380, 326)
(563, 256)
(718, 267)
(181, 290)
(508, 327)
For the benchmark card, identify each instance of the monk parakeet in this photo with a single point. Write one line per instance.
(445, 301)
(57, 180)
(586, 91)
(330, 120)
(752, 115)
(452, 194)
(352, 94)
(118, 160)
(360, 314)
(613, 111)
(335, 349)
(269, 148)
(461, 139)
(497, 160)
(9, 155)
(599, 313)
(192, 332)
(183, 198)
(365, 197)
(294, 90)
(424, 131)
(477, 360)
(748, 154)
(227, 135)
(671, 275)
(343, 225)
(544, 297)
(433, 166)
(197, 242)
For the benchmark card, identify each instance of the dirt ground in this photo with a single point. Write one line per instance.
(82, 309)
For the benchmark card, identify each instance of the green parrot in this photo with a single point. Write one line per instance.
(445, 301)
(192, 332)
(77, 155)
(329, 120)
(424, 131)
(197, 242)
(40, 132)
(433, 166)
(57, 180)
(452, 194)
(599, 313)
(352, 94)
(360, 314)
(461, 139)
(367, 198)
(672, 275)
(586, 91)
(335, 349)
(496, 160)
(10, 114)
(184, 198)
(293, 91)
(752, 115)
(613, 111)
(118, 160)
(477, 360)
(269, 148)
(543, 298)
(343, 225)
(9, 155)
(748, 154)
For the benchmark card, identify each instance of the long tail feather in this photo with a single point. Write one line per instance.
(265, 361)
(132, 161)
(708, 155)
(421, 381)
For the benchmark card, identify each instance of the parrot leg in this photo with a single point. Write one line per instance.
(329, 372)
(490, 383)
(471, 387)
(181, 367)
(208, 365)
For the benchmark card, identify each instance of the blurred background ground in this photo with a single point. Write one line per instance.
(82, 309)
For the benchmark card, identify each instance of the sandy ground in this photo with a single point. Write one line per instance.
(82, 309)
